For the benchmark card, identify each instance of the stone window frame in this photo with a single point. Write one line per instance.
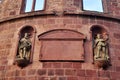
(23, 6)
(104, 5)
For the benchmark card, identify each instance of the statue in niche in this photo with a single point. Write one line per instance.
(24, 47)
(101, 47)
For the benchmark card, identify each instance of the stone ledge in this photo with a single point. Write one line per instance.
(24, 15)
(86, 13)
(94, 14)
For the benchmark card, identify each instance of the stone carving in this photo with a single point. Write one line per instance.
(101, 47)
(24, 50)
(24, 47)
(100, 50)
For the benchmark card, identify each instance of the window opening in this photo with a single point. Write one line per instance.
(28, 5)
(0, 1)
(39, 5)
(34, 5)
(93, 5)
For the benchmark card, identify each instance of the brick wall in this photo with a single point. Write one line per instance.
(56, 70)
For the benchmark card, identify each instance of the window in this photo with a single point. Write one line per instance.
(93, 5)
(33, 5)
(0, 1)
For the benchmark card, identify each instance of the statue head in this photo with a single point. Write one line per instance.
(26, 35)
(98, 36)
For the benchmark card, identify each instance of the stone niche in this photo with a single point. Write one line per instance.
(100, 39)
(25, 46)
(62, 45)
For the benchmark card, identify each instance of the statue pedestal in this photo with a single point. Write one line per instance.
(102, 63)
(22, 62)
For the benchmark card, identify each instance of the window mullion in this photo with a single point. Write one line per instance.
(33, 6)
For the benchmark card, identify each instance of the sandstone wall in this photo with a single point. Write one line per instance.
(11, 22)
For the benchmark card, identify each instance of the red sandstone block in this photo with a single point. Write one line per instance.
(51, 72)
(107, 23)
(81, 78)
(115, 75)
(47, 65)
(114, 4)
(100, 22)
(77, 2)
(59, 21)
(20, 78)
(67, 21)
(118, 58)
(77, 65)
(10, 36)
(59, 72)
(77, 21)
(91, 73)
(42, 72)
(72, 78)
(62, 78)
(16, 73)
(117, 35)
(104, 74)
(81, 73)
(3, 78)
(23, 73)
(85, 21)
(78, 26)
(91, 78)
(57, 65)
(2, 68)
(12, 13)
(1, 29)
(70, 72)
(8, 46)
(50, 21)
(41, 21)
(116, 62)
(113, 0)
(92, 20)
(31, 72)
(53, 78)
(10, 79)
(115, 79)
(4, 62)
(32, 78)
(43, 78)
(10, 73)
(67, 65)
(104, 79)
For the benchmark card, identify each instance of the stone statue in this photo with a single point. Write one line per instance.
(24, 47)
(101, 47)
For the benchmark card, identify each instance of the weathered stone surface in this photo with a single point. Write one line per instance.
(58, 14)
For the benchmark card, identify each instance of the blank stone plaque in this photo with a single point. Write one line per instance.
(62, 45)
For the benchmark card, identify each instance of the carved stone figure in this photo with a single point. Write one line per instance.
(24, 47)
(101, 47)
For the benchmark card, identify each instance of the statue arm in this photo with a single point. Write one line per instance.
(95, 44)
